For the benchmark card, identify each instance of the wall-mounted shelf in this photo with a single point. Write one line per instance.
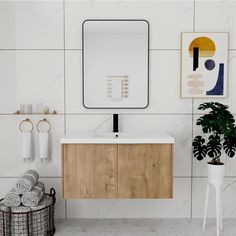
(20, 113)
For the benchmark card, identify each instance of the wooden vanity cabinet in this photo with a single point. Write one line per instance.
(89, 170)
(126, 171)
(145, 171)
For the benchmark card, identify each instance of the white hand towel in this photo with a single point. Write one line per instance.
(26, 145)
(43, 145)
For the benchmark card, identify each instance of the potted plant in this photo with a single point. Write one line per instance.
(218, 127)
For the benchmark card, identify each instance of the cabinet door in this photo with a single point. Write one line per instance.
(89, 171)
(145, 171)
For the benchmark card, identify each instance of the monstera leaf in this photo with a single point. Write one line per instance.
(214, 146)
(199, 148)
(229, 145)
(213, 106)
(218, 120)
(208, 123)
(219, 125)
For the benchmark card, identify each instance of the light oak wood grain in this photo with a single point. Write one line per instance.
(89, 170)
(117, 171)
(145, 171)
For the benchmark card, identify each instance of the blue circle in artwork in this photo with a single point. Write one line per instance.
(210, 64)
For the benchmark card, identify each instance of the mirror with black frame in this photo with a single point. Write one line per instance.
(115, 64)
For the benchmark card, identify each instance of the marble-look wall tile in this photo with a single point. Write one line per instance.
(31, 24)
(10, 144)
(164, 84)
(178, 207)
(88, 123)
(29, 77)
(228, 198)
(7, 183)
(216, 16)
(232, 81)
(167, 19)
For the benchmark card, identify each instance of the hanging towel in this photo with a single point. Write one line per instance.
(21, 223)
(27, 181)
(43, 145)
(33, 197)
(40, 218)
(12, 198)
(5, 224)
(26, 146)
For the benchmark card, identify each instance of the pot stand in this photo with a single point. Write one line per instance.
(216, 180)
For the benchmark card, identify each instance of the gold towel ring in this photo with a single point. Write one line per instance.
(44, 120)
(26, 120)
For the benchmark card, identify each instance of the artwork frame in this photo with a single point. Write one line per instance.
(204, 64)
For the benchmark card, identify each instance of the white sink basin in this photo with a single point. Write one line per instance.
(117, 135)
(120, 138)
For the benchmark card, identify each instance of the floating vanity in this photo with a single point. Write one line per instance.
(122, 165)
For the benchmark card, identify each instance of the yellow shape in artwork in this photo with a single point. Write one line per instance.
(206, 47)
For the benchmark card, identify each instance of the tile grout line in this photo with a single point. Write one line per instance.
(64, 54)
(80, 49)
(191, 205)
(100, 114)
(175, 177)
(41, 177)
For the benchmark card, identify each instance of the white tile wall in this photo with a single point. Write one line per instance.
(228, 198)
(31, 24)
(167, 19)
(219, 16)
(31, 76)
(32, 66)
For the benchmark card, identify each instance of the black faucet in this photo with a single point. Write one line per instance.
(115, 123)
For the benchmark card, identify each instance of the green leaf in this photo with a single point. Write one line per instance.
(219, 123)
(229, 145)
(214, 146)
(199, 148)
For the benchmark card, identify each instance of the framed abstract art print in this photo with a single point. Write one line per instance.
(204, 58)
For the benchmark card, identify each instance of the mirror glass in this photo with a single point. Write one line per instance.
(115, 63)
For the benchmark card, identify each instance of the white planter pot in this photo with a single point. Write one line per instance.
(216, 174)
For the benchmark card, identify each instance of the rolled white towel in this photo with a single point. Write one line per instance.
(21, 223)
(33, 197)
(27, 181)
(12, 199)
(4, 208)
(34, 174)
(5, 214)
(20, 209)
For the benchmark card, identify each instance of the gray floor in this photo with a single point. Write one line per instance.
(141, 227)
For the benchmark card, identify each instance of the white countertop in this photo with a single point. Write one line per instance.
(123, 138)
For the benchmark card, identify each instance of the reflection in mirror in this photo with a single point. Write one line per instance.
(115, 63)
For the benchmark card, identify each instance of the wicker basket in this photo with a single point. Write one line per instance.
(31, 223)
